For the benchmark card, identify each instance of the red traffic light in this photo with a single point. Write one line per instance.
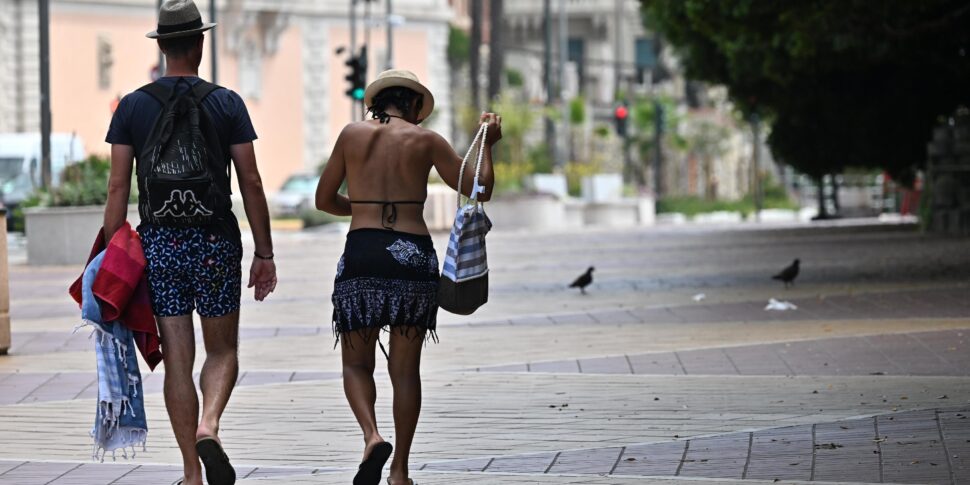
(621, 112)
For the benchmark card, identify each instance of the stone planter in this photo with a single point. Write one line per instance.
(64, 235)
(538, 211)
(4, 289)
(647, 211)
(548, 183)
(602, 187)
(625, 213)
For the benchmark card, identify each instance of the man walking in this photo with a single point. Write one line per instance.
(185, 134)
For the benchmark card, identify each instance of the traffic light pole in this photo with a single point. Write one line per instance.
(213, 37)
(45, 94)
(389, 59)
(353, 49)
(161, 56)
(659, 118)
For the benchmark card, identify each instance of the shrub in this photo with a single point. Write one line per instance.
(575, 172)
(509, 176)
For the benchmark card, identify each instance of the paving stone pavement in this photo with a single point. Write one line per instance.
(942, 353)
(635, 383)
(927, 446)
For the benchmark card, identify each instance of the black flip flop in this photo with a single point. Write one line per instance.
(218, 470)
(369, 472)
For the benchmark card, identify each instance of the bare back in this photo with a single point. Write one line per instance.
(386, 167)
(387, 163)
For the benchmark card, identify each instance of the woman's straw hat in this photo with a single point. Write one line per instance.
(400, 78)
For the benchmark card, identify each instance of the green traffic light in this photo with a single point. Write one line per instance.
(359, 94)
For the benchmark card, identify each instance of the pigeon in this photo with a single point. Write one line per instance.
(583, 281)
(788, 274)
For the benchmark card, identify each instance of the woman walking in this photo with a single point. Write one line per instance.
(388, 275)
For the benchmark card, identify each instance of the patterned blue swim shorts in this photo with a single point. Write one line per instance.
(189, 268)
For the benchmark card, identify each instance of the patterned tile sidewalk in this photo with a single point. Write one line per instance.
(941, 353)
(929, 304)
(633, 384)
(929, 446)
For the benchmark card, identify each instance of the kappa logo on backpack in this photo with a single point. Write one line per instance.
(183, 203)
(183, 177)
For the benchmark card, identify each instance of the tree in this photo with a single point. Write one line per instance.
(842, 82)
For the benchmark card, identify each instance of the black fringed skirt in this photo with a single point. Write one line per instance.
(386, 280)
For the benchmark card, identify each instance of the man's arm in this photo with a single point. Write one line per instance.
(262, 275)
(328, 198)
(119, 188)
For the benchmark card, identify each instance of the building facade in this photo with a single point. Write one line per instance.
(281, 56)
(611, 56)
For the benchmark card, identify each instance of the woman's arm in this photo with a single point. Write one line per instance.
(328, 198)
(448, 163)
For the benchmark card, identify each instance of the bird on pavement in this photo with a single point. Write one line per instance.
(788, 274)
(583, 281)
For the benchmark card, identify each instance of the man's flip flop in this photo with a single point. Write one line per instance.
(369, 472)
(218, 470)
(409, 481)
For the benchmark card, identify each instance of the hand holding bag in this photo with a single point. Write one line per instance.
(464, 278)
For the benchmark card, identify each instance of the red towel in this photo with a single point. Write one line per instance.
(122, 287)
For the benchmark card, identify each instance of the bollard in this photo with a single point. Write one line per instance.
(4, 287)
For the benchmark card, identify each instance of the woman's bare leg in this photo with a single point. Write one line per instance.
(357, 353)
(404, 366)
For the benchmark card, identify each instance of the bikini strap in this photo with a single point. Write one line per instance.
(389, 221)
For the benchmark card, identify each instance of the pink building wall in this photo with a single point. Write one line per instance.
(80, 106)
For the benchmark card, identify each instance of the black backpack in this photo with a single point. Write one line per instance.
(183, 175)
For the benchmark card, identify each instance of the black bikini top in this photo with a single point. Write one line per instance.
(391, 217)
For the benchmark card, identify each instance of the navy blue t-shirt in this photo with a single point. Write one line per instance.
(133, 119)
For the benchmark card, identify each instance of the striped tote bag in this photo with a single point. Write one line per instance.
(464, 278)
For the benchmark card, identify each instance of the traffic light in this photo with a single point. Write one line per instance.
(620, 116)
(358, 75)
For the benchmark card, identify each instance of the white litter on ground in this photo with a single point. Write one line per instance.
(699, 297)
(780, 306)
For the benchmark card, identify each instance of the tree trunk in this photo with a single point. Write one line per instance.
(835, 194)
(822, 211)
(475, 51)
(496, 58)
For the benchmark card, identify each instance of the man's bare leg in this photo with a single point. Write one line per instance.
(181, 400)
(220, 371)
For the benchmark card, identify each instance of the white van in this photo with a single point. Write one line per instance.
(20, 156)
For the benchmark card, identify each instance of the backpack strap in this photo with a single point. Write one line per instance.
(203, 89)
(157, 91)
(200, 91)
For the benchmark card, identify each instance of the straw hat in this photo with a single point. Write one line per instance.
(179, 18)
(400, 78)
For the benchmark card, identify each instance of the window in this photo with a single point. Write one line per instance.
(577, 55)
(646, 53)
(250, 70)
(105, 61)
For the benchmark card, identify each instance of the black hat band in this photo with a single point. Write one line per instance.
(170, 29)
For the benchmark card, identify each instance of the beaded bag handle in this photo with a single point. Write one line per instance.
(480, 140)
